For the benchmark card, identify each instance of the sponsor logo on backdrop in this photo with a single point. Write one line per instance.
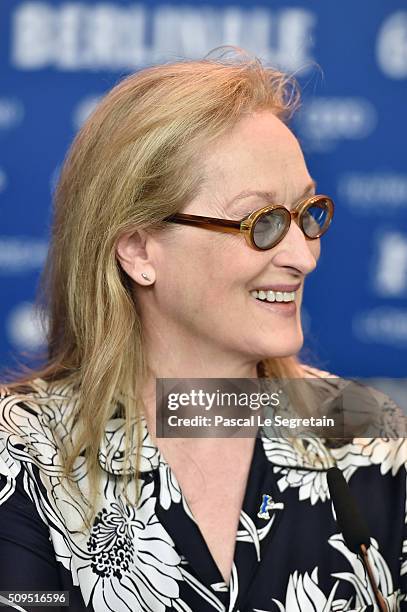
(79, 36)
(390, 265)
(391, 46)
(21, 254)
(24, 329)
(373, 192)
(323, 122)
(383, 325)
(11, 113)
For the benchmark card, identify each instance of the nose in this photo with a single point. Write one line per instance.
(296, 251)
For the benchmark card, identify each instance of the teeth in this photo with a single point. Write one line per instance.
(274, 296)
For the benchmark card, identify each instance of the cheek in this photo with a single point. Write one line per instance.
(205, 270)
(222, 267)
(227, 259)
(233, 267)
(201, 268)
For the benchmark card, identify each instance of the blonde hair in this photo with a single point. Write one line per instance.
(134, 162)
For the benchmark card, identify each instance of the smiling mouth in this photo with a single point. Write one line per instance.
(274, 296)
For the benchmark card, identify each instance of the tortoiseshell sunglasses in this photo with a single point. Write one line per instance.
(266, 227)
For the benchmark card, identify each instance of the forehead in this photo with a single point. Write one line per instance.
(260, 153)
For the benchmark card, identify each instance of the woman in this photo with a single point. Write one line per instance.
(137, 288)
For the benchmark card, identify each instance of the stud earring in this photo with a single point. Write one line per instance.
(144, 275)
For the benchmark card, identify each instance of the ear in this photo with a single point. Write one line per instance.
(132, 254)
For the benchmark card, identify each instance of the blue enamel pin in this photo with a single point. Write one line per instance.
(265, 506)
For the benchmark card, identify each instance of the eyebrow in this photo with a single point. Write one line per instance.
(268, 196)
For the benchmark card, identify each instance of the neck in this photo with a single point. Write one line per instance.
(173, 353)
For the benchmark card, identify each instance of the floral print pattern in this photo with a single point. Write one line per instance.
(136, 557)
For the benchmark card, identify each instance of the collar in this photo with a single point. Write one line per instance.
(280, 452)
(112, 449)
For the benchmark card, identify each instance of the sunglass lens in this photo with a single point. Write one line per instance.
(315, 219)
(269, 228)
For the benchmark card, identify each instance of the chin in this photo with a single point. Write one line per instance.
(287, 347)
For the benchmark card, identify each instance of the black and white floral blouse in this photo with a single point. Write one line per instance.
(289, 554)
